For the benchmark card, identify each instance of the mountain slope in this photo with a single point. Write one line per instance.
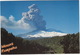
(42, 33)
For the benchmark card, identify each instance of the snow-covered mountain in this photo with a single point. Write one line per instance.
(42, 34)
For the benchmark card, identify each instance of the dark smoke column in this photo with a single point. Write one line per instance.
(34, 15)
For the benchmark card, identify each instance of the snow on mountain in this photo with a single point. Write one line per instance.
(41, 33)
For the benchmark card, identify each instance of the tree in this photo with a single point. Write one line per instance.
(70, 43)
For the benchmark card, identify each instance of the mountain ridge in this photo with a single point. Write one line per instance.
(42, 33)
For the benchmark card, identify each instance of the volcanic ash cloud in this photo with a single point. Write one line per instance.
(33, 15)
(30, 21)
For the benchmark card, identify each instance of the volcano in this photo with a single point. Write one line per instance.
(42, 34)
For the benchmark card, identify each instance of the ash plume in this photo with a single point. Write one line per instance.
(34, 16)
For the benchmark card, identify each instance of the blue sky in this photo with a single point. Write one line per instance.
(59, 15)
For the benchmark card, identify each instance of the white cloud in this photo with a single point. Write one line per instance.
(12, 24)
(3, 21)
(11, 18)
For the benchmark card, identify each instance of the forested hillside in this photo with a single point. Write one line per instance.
(23, 46)
(53, 42)
(58, 44)
(62, 44)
